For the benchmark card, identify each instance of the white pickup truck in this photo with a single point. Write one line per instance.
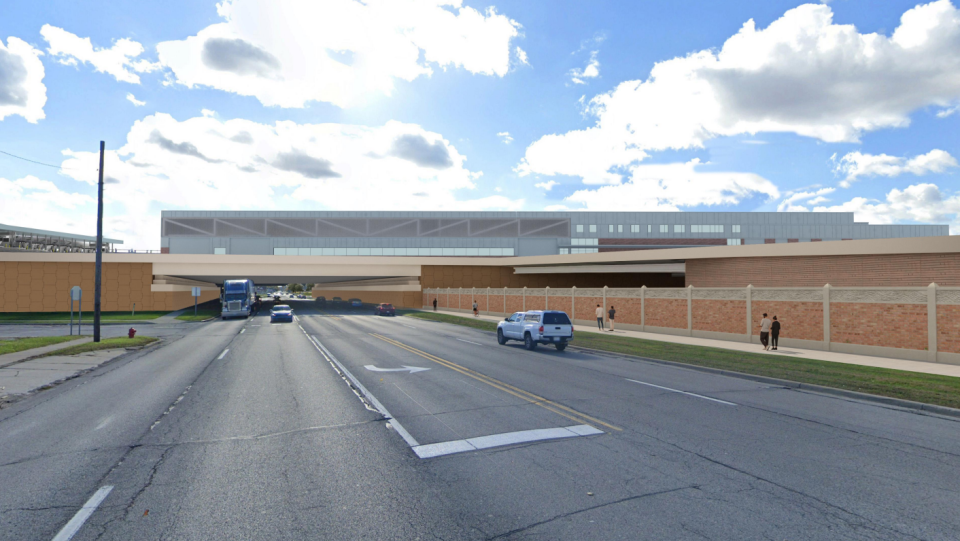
(537, 327)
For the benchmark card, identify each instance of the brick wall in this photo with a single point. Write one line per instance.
(586, 307)
(720, 316)
(948, 328)
(888, 325)
(628, 310)
(561, 303)
(45, 287)
(671, 313)
(456, 276)
(800, 320)
(914, 270)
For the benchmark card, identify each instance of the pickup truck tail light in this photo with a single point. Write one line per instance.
(541, 328)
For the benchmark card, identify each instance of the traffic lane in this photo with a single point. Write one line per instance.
(57, 444)
(433, 402)
(271, 443)
(640, 484)
(852, 469)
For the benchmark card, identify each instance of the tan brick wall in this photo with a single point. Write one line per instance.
(45, 287)
(913, 270)
(536, 302)
(888, 325)
(800, 320)
(560, 303)
(628, 310)
(948, 328)
(586, 308)
(720, 316)
(399, 299)
(514, 303)
(671, 313)
(496, 302)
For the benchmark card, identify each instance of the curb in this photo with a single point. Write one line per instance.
(885, 400)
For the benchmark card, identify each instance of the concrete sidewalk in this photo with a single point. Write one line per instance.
(863, 360)
(16, 357)
(26, 376)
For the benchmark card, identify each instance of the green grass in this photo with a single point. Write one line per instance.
(22, 344)
(108, 343)
(64, 317)
(202, 315)
(926, 388)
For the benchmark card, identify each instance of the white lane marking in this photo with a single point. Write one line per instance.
(72, 527)
(242, 330)
(411, 441)
(499, 440)
(683, 392)
(411, 369)
(104, 422)
(469, 342)
(408, 326)
(224, 354)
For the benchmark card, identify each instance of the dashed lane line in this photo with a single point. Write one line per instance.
(71, 528)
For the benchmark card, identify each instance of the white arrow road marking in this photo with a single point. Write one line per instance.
(83, 514)
(411, 369)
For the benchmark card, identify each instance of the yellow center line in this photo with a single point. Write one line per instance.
(567, 412)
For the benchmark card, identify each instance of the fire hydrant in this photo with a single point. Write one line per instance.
(131, 333)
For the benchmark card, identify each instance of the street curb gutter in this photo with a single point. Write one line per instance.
(886, 400)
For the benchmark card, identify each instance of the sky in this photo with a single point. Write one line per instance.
(848, 105)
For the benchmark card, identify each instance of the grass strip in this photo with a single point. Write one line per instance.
(23, 344)
(916, 386)
(202, 315)
(64, 317)
(107, 343)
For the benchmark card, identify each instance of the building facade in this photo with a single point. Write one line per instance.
(502, 234)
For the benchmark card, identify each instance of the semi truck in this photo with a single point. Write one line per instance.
(238, 298)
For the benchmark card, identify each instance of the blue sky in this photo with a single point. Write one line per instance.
(802, 110)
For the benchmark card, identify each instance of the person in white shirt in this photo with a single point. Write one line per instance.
(765, 332)
(600, 317)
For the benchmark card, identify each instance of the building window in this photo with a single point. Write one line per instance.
(706, 229)
(364, 251)
(279, 251)
(678, 228)
(303, 251)
(664, 228)
(564, 251)
(619, 229)
(734, 242)
(649, 228)
(610, 228)
(735, 228)
(593, 228)
(580, 228)
(220, 251)
(634, 228)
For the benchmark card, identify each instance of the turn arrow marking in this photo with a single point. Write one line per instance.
(411, 369)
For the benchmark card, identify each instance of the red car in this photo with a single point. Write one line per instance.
(384, 309)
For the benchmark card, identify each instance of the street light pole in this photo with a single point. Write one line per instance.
(96, 284)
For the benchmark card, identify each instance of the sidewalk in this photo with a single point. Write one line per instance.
(13, 358)
(21, 378)
(830, 356)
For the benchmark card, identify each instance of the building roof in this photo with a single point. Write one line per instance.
(73, 236)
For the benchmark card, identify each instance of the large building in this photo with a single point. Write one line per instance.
(40, 240)
(502, 234)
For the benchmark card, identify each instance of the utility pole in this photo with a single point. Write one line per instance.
(96, 284)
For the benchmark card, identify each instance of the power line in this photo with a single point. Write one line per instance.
(36, 162)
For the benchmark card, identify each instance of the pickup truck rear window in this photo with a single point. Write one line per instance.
(532, 317)
(556, 319)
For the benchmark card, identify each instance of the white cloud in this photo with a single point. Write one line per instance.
(855, 164)
(547, 185)
(290, 52)
(590, 71)
(208, 112)
(22, 91)
(132, 99)
(802, 74)
(557, 208)
(923, 203)
(667, 187)
(522, 56)
(944, 113)
(204, 162)
(794, 201)
(119, 60)
(40, 204)
(505, 135)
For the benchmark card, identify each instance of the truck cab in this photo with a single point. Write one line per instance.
(238, 300)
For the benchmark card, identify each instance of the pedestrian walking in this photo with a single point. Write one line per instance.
(476, 309)
(774, 333)
(765, 332)
(610, 314)
(599, 317)
(434, 305)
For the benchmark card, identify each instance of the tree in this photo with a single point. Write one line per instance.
(309, 288)
(294, 288)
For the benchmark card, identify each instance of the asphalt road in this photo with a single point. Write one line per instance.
(247, 430)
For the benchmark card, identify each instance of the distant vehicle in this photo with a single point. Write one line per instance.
(276, 298)
(384, 309)
(356, 303)
(281, 312)
(336, 301)
(301, 296)
(238, 298)
(536, 327)
(321, 301)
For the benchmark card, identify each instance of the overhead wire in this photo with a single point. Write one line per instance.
(38, 163)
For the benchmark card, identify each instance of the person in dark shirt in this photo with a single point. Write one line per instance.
(774, 333)
(610, 314)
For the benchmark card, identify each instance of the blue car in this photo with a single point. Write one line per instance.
(281, 312)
